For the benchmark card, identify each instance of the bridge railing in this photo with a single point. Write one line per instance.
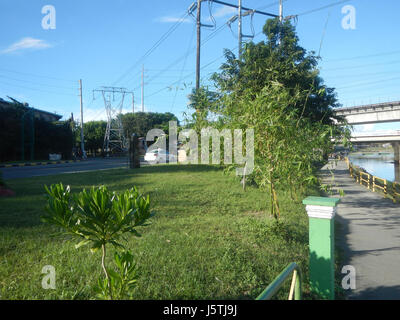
(396, 189)
(295, 288)
(376, 184)
(365, 178)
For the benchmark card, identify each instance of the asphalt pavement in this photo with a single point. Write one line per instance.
(63, 168)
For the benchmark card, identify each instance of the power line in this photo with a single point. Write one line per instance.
(183, 66)
(369, 83)
(244, 8)
(322, 8)
(36, 83)
(35, 75)
(211, 36)
(184, 56)
(374, 87)
(35, 89)
(364, 56)
(345, 76)
(271, 5)
(155, 46)
(187, 76)
(191, 74)
(240, 15)
(362, 66)
(178, 60)
(364, 79)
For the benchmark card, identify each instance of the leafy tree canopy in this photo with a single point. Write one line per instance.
(142, 122)
(279, 59)
(275, 89)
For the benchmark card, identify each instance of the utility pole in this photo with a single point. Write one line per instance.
(280, 20)
(198, 44)
(239, 17)
(197, 6)
(133, 103)
(82, 137)
(240, 27)
(142, 88)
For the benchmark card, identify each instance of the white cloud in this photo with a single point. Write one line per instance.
(224, 11)
(169, 19)
(25, 44)
(218, 13)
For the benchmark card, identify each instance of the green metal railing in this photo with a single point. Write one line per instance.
(295, 288)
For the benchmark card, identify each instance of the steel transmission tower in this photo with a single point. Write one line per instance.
(114, 138)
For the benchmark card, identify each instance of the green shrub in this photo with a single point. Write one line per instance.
(100, 217)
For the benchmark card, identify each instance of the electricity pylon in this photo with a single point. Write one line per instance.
(114, 138)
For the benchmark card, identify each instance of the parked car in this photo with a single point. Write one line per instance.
(159, 156)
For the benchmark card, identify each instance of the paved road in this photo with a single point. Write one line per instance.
(369, 234)
(45, 170)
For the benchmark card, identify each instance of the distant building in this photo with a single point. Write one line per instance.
(39, 114)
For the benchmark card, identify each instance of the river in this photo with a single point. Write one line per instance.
(378, 164)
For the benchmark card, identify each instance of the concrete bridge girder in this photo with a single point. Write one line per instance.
(373, 117)
(375, 113)
(394, 141)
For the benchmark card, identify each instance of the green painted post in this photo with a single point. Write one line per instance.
(321, 213)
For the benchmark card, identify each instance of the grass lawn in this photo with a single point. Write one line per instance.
(209, 239)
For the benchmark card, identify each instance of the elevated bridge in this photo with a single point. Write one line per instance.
(389, 136)
(372, 113)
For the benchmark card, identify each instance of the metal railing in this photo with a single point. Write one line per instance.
(367, 180)
(382, 186)
(295, 288)
(396, 191)
(389, 189)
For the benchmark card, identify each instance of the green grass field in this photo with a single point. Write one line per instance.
(209, 239)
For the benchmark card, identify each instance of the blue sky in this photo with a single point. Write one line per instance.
(101, 41)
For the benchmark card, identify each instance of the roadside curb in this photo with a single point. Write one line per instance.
(31, 164)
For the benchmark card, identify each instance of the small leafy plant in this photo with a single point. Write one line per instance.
(100, 217)
(123, 281)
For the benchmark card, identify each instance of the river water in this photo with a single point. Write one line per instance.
(378, 164)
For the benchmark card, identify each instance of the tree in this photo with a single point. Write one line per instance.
(142, 122)
(49, 137)
(94, 132)
(279, 60)
(202, 101)
(276, 90)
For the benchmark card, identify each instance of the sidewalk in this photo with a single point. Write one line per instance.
(369, 235)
